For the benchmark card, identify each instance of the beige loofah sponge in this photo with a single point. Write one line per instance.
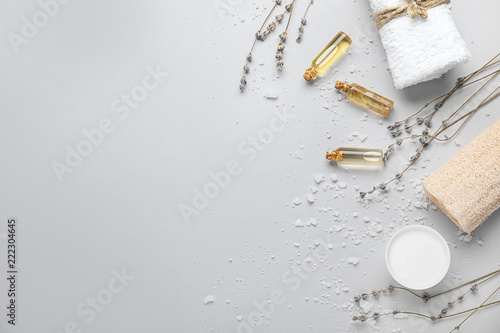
(467, 187)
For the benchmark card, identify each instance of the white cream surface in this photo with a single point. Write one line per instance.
(418, 257)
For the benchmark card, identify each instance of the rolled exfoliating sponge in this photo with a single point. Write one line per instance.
(467, 187)
(420, 49)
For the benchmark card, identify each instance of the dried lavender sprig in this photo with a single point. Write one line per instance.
(283, 36)
(377, 315)
(462, 82)
(426, 297)
(425, 138)
(388, 290)
(468, 100)
(427, 119)
(414, 158)
(474, 312)
(443, 127)
(303, 22)
(258, 36)
(444, 312)
(468, 115)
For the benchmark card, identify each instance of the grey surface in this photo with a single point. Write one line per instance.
(119, 209)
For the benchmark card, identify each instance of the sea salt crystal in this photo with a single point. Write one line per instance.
(297, 201)
(319, 177)
(312, 221)
(271, 93)
(334, 177)
(311, 198)
(208, 300)
(353, 260)
(467, 238)
(299, 223)
(365, 306)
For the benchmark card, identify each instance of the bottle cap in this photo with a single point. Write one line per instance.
(333, 155)
(310, 74)
(339, 85)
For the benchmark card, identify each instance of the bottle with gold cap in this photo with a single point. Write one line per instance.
(337, 46)
(356, 156)
(366, 98)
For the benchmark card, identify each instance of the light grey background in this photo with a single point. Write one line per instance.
(119, 209)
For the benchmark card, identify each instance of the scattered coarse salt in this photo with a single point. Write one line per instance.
(365, 306)
(319, 177)
(312, 221)
(271, 93)
(311, 198)
(299, 223)
(208, 300)
(467, 238)
(353, 260)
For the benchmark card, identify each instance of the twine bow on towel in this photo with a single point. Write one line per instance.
(415, 9)
(412, 8)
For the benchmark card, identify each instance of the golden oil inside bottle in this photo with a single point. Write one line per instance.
(337, 46)
(366, 98)
(356, 156)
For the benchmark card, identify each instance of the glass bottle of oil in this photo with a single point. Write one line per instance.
(328, 55)
(356, 156)
(366, 98)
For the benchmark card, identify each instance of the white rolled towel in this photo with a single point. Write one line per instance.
(420, 49)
